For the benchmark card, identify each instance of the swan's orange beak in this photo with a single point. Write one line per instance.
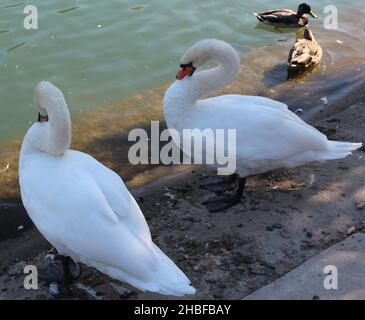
(185, 71)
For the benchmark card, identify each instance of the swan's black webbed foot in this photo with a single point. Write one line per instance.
(219, 184)
(226, 201)
(62, 271)
(221, 203)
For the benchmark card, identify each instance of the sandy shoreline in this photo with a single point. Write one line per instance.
(285, 218)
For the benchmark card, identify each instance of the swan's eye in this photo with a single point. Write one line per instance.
(187, 65)
(42, 118)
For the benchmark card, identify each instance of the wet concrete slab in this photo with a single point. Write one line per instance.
(309, 279)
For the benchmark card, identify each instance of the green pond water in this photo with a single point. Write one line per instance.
(101, 52)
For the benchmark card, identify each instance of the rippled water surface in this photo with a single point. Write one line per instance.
(101, 52)
(114, 60)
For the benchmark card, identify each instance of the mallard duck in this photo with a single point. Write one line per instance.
(286, 18)
(306, 52)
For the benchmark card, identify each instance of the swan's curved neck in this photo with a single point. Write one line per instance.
(60, 129)
(216, 78)
(182, 96)
(52, 137)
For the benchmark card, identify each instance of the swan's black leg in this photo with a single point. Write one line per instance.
(61, 270)
(226, 201)
(241, 187)
(67, 276)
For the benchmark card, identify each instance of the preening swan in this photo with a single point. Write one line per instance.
(268, 135)
(84, 209)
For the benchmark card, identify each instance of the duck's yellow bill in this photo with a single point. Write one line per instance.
(313, 14)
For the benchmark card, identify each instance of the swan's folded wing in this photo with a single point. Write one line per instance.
(265, 129)
(100, 221)
(278, 135)
(121, 247)
(242, 101)
(88, 234)
(120, 199)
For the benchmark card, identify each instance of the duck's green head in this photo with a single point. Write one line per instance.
(306, 9)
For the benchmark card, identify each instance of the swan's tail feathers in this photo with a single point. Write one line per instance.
(258, 16)
(166, 278)
(338, 150)
(171, 280)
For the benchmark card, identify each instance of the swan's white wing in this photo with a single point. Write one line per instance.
(242, 100)
(86, 212)
(87, 219)
(117, 195)
(265, 129)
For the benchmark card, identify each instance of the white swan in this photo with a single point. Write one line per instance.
(84, 209)
(269, 135)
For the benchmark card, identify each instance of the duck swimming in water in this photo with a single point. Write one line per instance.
(305, 53)
(286, 18)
